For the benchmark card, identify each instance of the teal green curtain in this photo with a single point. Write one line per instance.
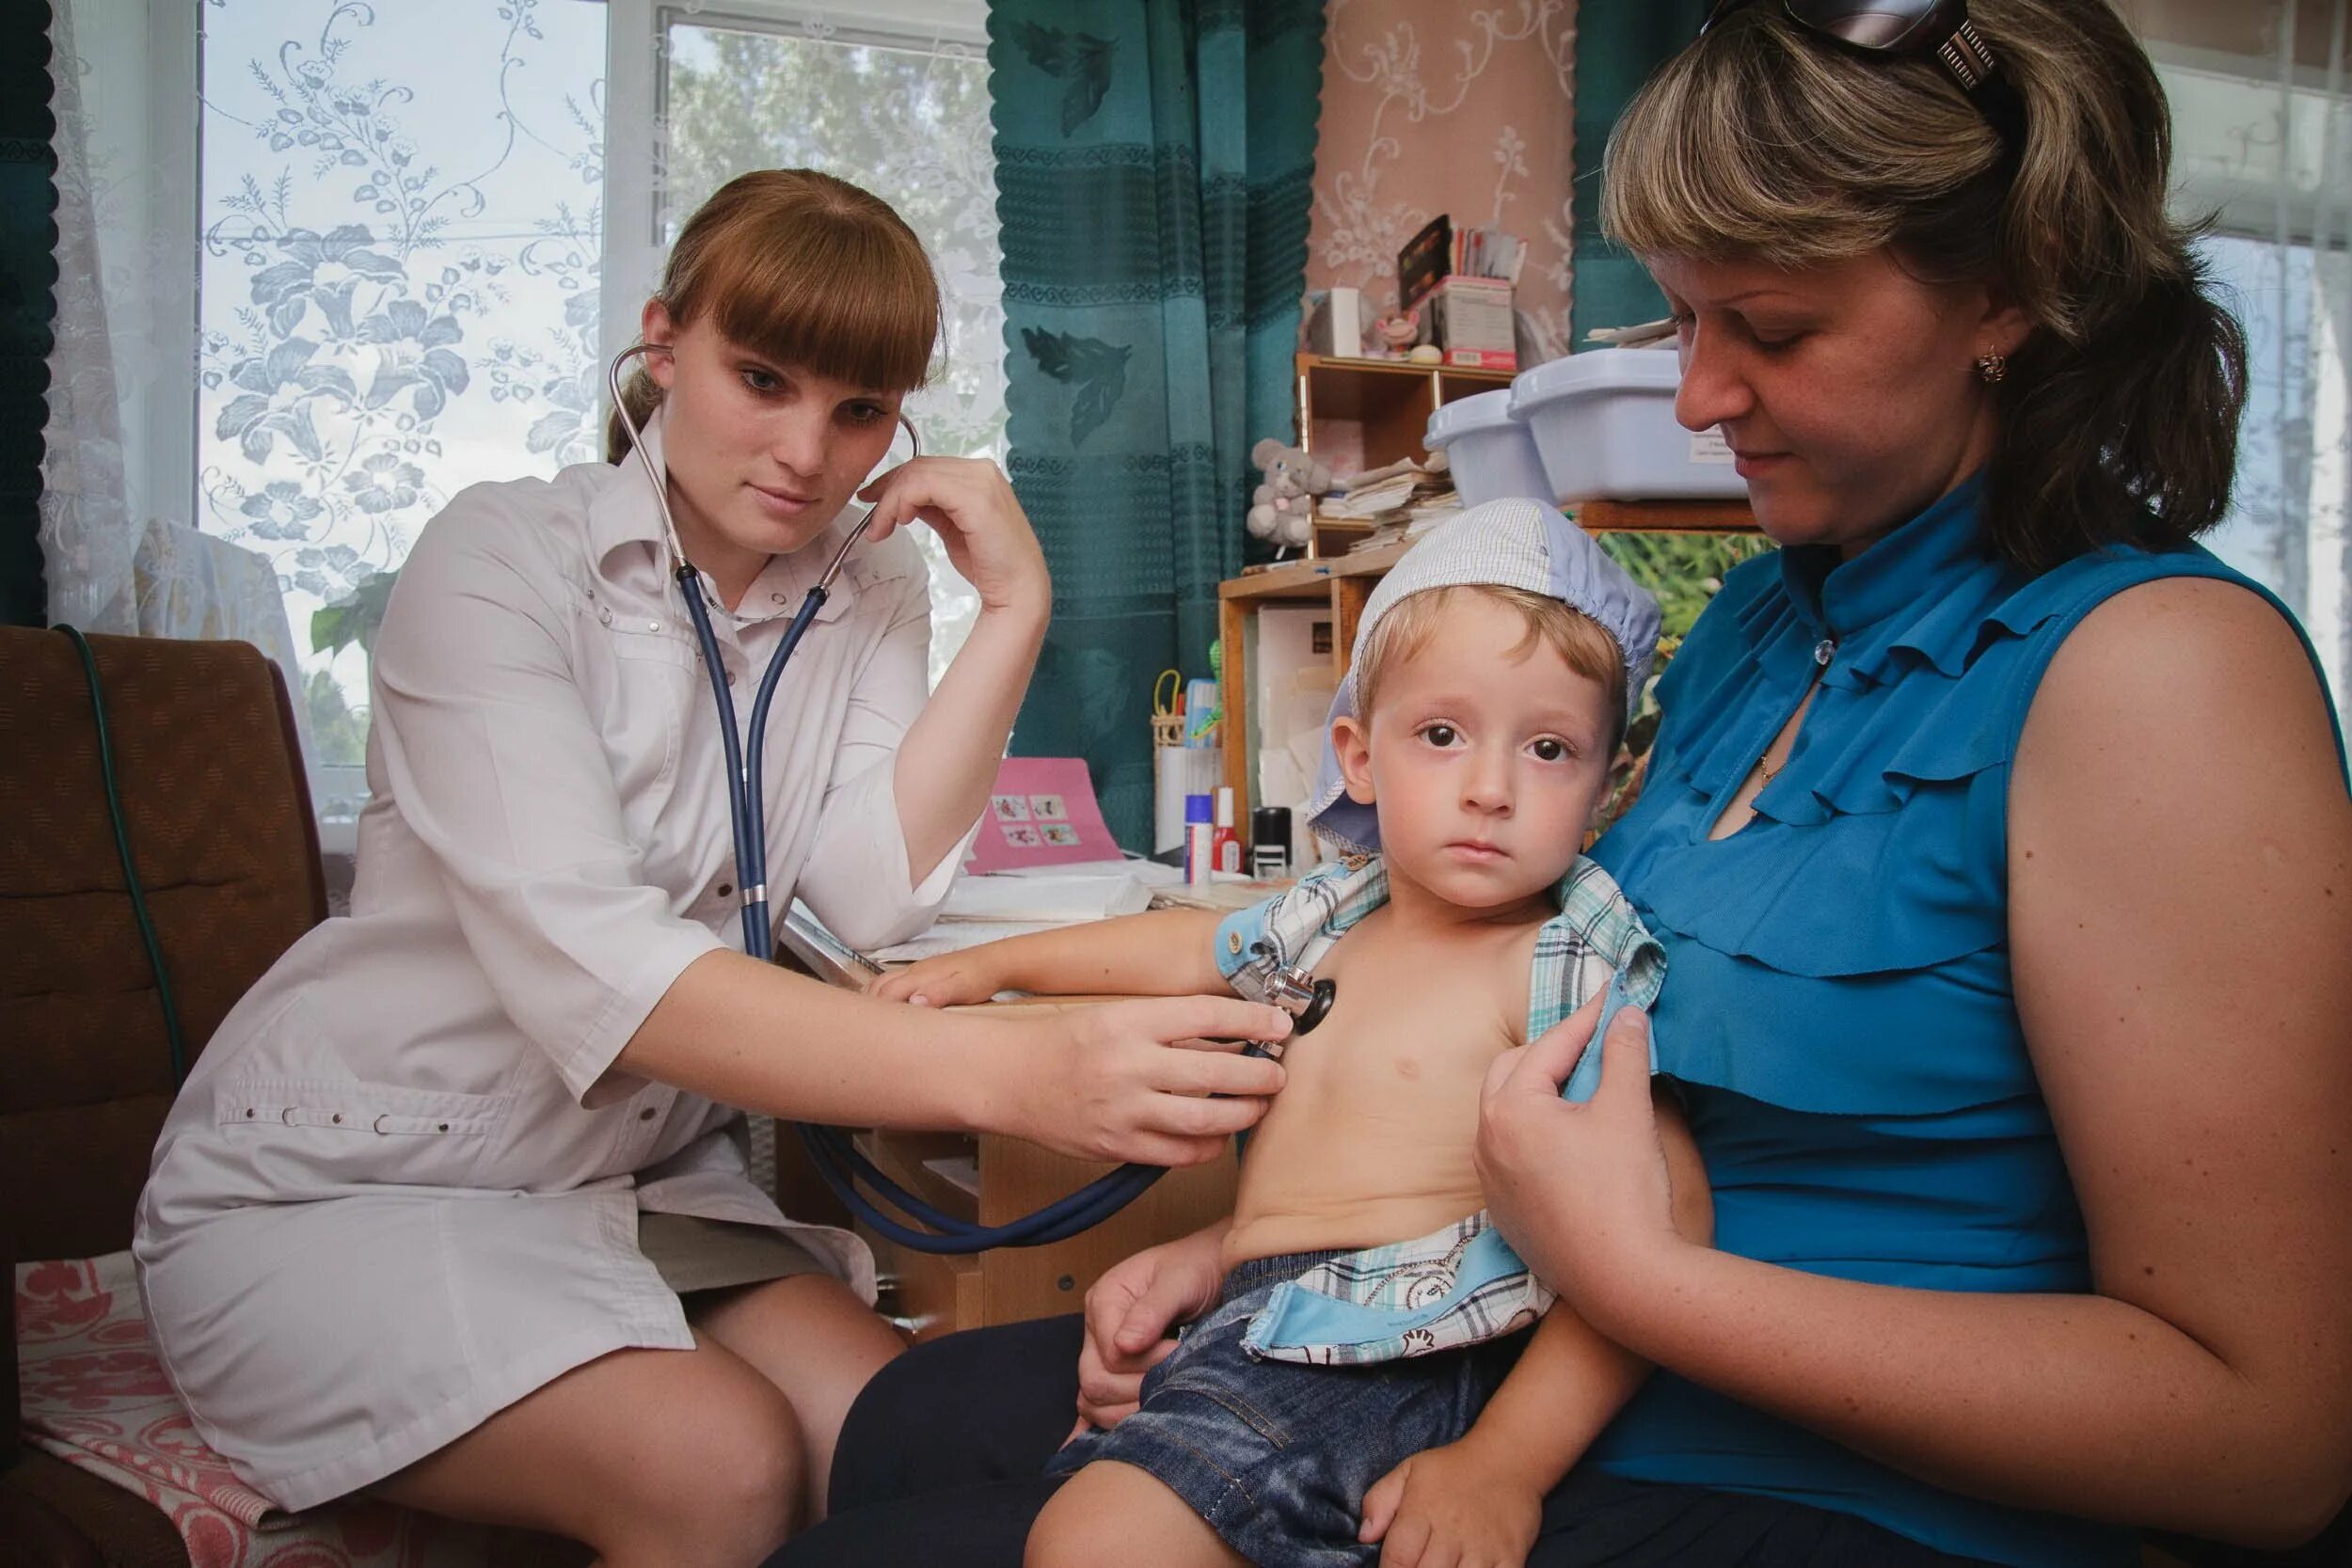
(27, 270)
(1155, 164)
(1618, 43)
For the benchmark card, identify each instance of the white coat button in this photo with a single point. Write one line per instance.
(653, 626)
(604, 613)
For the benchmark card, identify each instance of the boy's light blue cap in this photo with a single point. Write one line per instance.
(1513, 543)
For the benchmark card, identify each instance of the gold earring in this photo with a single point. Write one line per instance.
(1992, 366)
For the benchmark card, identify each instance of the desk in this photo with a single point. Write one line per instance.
(933, 1294)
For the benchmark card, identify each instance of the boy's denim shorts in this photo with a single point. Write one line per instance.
(1276, 1456)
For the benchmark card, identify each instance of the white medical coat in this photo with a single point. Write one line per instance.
(399, 1190)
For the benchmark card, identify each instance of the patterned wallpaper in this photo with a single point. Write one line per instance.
(1430, 107)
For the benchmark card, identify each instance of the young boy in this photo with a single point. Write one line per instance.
(1356, 1377)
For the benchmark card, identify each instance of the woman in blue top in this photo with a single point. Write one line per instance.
(1999, 842)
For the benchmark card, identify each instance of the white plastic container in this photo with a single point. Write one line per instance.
(1604, 424)
(1492, 455)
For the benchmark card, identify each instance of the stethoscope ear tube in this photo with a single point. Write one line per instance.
(830, 1149)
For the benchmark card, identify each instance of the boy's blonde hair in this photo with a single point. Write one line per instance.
(1576, 636)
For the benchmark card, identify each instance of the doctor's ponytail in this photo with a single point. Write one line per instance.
(805, 270)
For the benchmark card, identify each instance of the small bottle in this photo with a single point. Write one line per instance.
(1270, 842)
(1199, 839)
(1225, 846)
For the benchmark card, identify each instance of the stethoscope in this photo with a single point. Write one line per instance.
(832, 1149)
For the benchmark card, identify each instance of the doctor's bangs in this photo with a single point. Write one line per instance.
(812, 271)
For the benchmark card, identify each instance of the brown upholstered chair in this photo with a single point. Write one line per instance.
(210, 776)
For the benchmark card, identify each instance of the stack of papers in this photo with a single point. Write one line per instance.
(1395, 497)
(989, 908)
(1369, 500)
(1061, 899)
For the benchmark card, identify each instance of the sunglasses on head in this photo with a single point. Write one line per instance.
(1940, 28)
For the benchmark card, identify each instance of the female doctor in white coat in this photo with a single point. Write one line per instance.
(449, 1209)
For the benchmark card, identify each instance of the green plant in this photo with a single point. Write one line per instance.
(355, 617)
(1684, 570)
(339, 733)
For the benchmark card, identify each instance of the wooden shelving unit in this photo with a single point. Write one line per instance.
(1361, 414)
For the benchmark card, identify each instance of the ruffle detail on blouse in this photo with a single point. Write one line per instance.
(1883, 845)
(1846, 894)
(1750, 631)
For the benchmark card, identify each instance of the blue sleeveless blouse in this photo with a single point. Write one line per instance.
(1838, 1005)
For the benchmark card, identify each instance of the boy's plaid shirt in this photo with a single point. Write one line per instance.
(1463, 1284)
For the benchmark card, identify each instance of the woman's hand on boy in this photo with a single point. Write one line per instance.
(1581, 1190)
(1458, 1505)
(949, 980)
(1129, 1312)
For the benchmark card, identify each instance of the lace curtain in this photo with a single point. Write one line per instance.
(90, 529)
(2261, 102)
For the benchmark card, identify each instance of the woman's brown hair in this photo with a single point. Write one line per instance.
(2119, 416)
(805, 270)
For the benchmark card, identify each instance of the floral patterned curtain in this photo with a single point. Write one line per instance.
(1154, 160)
(300, 312)
(397, 250)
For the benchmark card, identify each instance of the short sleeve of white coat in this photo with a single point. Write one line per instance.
(489, 750)
(856, 877)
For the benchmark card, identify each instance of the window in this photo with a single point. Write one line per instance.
(397, 282)
(893, 99)
(2262, 144)
(404, 278)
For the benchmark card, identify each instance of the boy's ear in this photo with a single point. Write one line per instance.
(1351, 743)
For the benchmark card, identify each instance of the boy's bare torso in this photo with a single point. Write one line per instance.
(1370, 1140)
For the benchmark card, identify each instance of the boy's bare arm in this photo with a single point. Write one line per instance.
(1159, 953)
(1481, 1497)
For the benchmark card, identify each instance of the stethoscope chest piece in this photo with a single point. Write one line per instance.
(1298, 993)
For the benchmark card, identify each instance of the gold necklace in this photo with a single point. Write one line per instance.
(1765, 770)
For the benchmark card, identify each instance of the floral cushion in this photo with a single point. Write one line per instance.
(95, 1395)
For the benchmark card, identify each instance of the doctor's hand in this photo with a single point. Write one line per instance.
(969, 503)
(1129, 1313)
(1583, 1192)
(1158, 1080)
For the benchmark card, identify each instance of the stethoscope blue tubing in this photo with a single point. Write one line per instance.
(830, 1149)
